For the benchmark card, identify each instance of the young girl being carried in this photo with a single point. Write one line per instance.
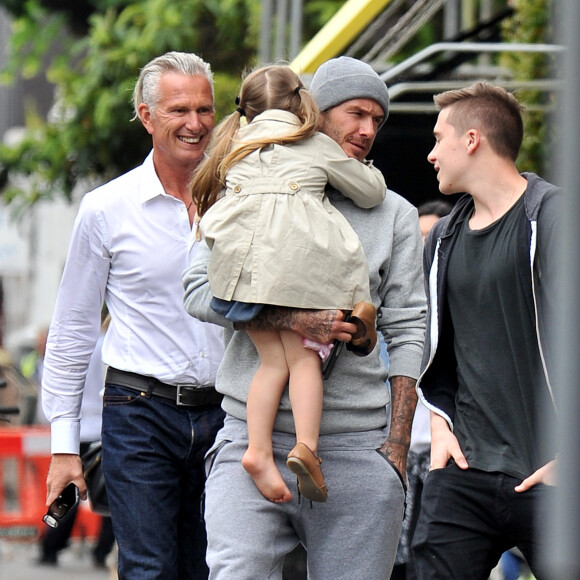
(277, 240)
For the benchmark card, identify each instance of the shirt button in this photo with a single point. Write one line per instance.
(294, 186)
(237, 189)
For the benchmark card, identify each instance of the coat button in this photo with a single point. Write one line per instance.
(294, 186)
(237, 189)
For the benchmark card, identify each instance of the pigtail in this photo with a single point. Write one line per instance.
(208, 180)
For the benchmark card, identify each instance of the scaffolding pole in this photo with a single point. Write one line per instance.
(562, 556)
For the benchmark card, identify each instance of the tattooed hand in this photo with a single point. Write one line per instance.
(397, 455)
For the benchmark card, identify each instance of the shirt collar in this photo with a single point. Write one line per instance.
(150, 186)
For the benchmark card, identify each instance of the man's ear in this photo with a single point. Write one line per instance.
(145, 117)
(473, 138)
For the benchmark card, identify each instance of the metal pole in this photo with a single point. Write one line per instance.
(475, 47)
(562, 556)
(265, 32)
(281, 21)
(295, 29)
(485, 14)
(450, 19)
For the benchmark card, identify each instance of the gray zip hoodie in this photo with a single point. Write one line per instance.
(438, 383)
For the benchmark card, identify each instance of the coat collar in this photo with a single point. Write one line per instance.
(277, 115)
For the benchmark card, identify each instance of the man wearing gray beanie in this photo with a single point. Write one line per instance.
(365, 428)
(354, 103)
(345, 78)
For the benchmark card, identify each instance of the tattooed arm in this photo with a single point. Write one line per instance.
(403, 402)
(323, 326)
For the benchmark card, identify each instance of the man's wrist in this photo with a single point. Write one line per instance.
(397, 442)
(438, 423)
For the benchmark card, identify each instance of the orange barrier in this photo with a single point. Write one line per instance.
(24, 461)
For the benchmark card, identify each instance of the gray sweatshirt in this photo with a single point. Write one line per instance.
(355, 395)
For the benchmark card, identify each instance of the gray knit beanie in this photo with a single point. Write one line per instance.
(345, 78)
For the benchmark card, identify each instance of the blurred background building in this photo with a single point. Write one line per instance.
(33, 244)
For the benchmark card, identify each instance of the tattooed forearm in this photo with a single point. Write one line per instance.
(270, 318)
(403, 403)
(313, 324)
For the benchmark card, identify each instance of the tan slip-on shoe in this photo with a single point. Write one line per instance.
(302, 461)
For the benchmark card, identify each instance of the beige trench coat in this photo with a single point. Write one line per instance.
(275, 237)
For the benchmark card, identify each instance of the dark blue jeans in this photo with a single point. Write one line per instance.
(153, 462)
(469, 518)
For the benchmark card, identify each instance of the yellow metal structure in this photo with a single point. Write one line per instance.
(340, 31)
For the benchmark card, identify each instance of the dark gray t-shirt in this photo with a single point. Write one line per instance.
(498, 363)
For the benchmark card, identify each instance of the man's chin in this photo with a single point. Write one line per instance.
(194, 151)
(190, 158)
(446, 189)
(356, 152)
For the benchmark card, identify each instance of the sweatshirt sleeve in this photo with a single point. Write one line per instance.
(197, 296)
(401, 315)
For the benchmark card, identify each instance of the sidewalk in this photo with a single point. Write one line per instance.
(18, 562)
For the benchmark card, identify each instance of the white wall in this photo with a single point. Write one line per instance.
(40, 239)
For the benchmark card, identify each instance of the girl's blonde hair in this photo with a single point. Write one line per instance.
(271, 87)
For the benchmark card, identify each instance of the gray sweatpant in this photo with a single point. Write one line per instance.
(353, 535)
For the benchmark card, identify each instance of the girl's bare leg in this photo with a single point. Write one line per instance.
(306, 400)
(264, 397)
(305, 388)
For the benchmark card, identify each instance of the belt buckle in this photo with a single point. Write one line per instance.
(185, 388)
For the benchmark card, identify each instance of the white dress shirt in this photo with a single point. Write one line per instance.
(129, 247)
(92, 405)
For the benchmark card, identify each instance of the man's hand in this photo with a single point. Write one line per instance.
(545, 475)
(403, 403)
(444, 445)
(397, 454)
(323, 326)
(64, 469)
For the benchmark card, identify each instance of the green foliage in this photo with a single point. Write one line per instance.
(317, 13)
(227, 87)
(531, 24)
(33, 35)
(76, 13)
(90, 135)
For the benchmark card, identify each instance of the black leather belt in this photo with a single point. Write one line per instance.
(182, 395)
